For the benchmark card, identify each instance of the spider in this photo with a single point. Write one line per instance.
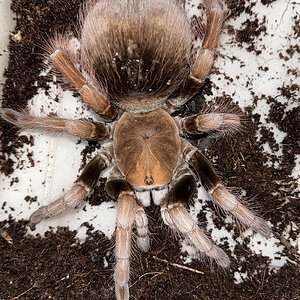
(135, 67)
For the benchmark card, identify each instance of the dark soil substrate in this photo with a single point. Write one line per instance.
(57, 267)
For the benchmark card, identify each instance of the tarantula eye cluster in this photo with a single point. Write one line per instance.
(137, 55)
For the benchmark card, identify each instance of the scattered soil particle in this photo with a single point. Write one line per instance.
(267, 2)
(296, 27)
(58, 267)
(249, 33)
(30, 199)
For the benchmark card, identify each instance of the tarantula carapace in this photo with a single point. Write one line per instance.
(135, 66)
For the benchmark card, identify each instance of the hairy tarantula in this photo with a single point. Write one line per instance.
(138, 63)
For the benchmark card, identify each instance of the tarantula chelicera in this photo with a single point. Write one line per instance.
(138, 68)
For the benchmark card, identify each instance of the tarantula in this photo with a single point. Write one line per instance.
(135, 66)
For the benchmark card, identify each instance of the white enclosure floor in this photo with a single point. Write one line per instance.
(57, 158)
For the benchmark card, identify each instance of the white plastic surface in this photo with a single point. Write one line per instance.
(57, 158)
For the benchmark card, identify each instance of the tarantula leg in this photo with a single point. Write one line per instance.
(210, 123)
(82, 128)
(94, 98)
(125, 217)
(141, 223)
(220, 195)
(78, 192)
(177, 217)
(216, 15)
(127, 209)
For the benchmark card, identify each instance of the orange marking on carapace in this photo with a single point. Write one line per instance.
(147, 147)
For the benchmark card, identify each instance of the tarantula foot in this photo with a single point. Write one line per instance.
(32, 226)
(122, 292)
(215, 6)
(219, 256)
(261, 226)
(10, 115)
(143, 243)
(37, 217)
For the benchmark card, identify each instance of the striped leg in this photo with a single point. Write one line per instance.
(59, 55)
(141, 223)
(218, 119)
(201, 68)
(220, 195)
(176, 216)
(81, 128)
(79, 191)
(215, 19)
(127, 210)
(127, 207)
(211, 123)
